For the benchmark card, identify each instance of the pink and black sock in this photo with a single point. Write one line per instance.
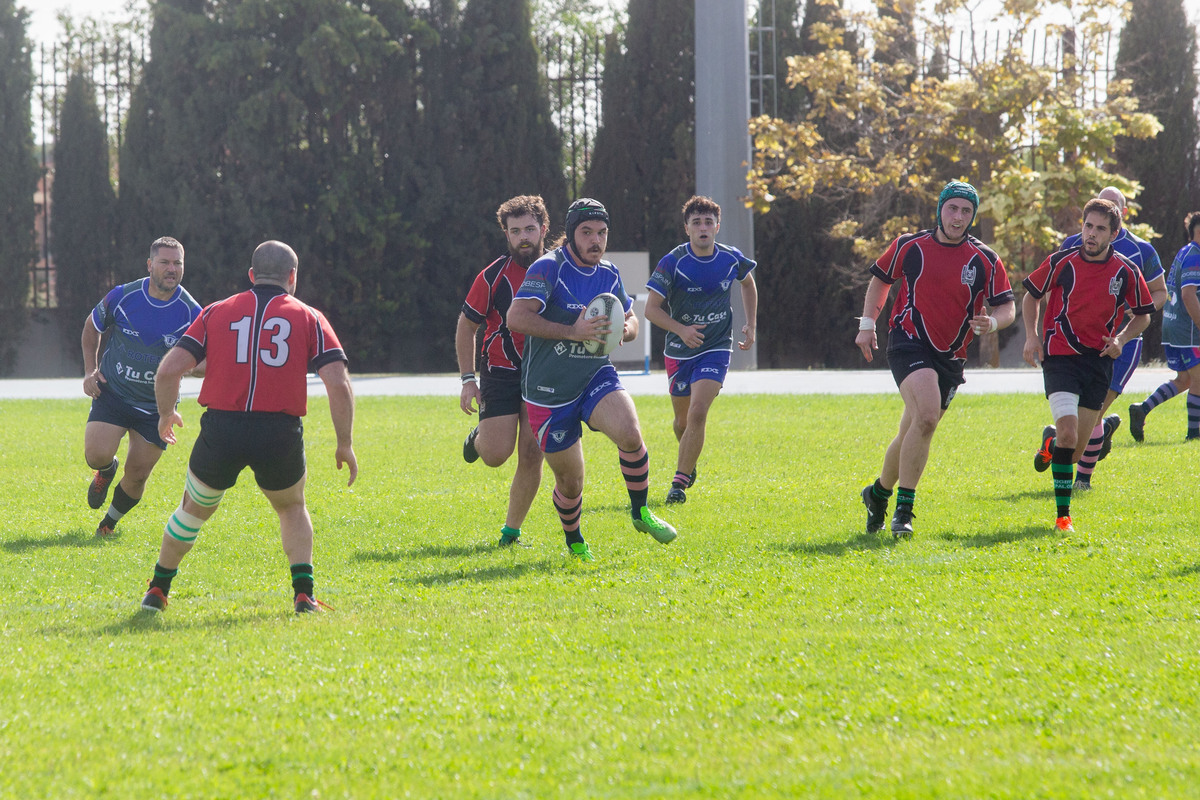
(1193, 404)
(1091, 454)
(1161, 395)
(569, 510)
(683, 480)
(635, 466)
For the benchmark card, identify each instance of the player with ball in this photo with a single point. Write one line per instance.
(567, 378)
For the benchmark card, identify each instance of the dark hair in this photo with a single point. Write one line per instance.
(1099, 206)
(164, 241)
(519, 206)
(1191, 222)
(699, 204)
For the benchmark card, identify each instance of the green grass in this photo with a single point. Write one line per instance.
(774, 650)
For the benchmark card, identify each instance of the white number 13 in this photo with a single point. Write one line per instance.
(275, 356)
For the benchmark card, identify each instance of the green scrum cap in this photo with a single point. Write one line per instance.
(961, 190)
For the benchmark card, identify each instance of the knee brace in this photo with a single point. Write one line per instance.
(182, 526)
(203, 496)
(1064, 404)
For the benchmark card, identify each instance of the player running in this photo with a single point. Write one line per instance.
(564, 386)
(693, 281)
(503, 418)
(260, 346)
(1085, 291)
(1181, 322)
(1143, 256)
(142, 320)
(945, 276)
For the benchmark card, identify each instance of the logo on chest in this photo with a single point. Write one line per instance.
(968, 274)
(1115, 286)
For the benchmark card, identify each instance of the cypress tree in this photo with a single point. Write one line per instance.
(84, 203)
(1158, 55)
(643, 167)
(18, 179)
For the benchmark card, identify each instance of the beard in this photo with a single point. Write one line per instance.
(529, 256)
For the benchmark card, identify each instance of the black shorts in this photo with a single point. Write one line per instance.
(499, 397)
(270, 444)
(1085, 375)
(108, 408)
(906, 356)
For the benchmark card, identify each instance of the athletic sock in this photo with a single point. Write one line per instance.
(302, 579)
(1161, 395)
(109, 471)
(905, 497)
(1193, 403)
(1087, 462)
(635, 467)
(509, 533)
(121, 505)
(162, 578)
(880, 493)
(1063, 471)
(569, 509)
(682, 479)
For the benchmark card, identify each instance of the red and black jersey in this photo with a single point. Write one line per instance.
(260, 345)
(1085, 300)
(942, 286)
(488, 301)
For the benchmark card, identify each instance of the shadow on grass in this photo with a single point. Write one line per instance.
(1186, 572)
(425, 551)
(1045, 493)
(76, 538)
(500, 572)
(857, 543)
(141, 622)
(1001, 537)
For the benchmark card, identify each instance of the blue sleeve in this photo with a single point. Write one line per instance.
(1189, 273)
(745, 267)
(539, 280)
(102, 313)
(1151, 264)
(663, 276)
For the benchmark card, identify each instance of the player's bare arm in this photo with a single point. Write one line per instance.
(867, 340)
(90, 342)
(631, 327)
(524, 317)
(1158, 291)
(171, 370)
(336, 378)
(1031, 309)
(750, 304)
(464, 349)
(1132, 329)
(657, 314)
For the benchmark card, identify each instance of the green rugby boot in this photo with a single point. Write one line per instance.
(662, 532)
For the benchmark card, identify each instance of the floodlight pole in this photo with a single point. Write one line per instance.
(723, 135)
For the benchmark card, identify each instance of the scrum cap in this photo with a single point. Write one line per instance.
(961, 190)
(582, 210)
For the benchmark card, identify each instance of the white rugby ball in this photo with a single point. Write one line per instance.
(606, 305)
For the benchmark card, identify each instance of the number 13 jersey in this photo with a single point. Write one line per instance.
(260, 346)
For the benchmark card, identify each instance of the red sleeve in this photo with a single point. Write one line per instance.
(888, 267)
(1038, 282)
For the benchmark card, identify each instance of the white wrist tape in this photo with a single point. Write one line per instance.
(866, 324)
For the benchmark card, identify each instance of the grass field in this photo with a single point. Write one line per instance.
(773, 650)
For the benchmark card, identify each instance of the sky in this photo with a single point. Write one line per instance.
(43, 26)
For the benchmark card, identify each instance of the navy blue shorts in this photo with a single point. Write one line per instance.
(905, 356)
(270, 444)
(499, 397)
(1125, 364)
(710, 366)
(557, 428)
(1085, 375)
(109, 408)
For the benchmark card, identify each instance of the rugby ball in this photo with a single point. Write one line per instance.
(606, 305)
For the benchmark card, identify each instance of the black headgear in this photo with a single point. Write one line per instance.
(581, 211)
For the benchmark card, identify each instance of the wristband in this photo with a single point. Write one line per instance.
(866, 324)
(993, 324)
(467, 377)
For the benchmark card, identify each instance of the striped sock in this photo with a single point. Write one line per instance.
(905, 497)
(1193, 403)
(682, 479)
(162, 578)
(569, 509)
(1087, 462)
(878, 492)
(1063, 471)
(635, 466)
(1161, 395)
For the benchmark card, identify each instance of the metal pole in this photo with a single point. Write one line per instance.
(723, 134)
